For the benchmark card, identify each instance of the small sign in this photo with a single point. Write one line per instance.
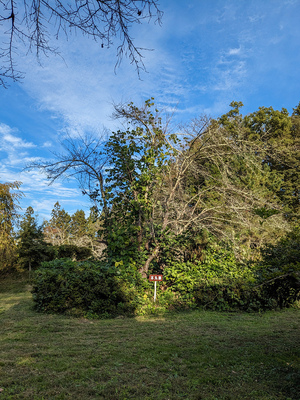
(155, 278)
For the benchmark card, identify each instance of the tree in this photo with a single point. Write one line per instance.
(277, 137)
(32, 249)
(268, 132)
(84, 158)
(8, 216)
(78, 225)
(57, 230)
(30, 23)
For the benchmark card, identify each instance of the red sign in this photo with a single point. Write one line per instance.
(153, 278)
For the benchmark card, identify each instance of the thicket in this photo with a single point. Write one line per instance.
(218, 282)
(215, 209)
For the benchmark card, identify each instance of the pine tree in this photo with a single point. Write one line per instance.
(8, 216)
(32, 249)
(78, 225)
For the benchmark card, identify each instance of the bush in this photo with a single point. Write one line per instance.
(81, 288)
(235, 295)
(72, 251)
(220, 283)
(279, 272)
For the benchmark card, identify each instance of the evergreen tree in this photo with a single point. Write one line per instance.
(276, 136)
(8, 216)
(78, 225)
(32, 249)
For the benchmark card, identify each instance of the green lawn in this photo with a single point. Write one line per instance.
(195, 355)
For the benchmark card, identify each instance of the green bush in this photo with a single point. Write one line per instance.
(81, 288)
(234, 295)
(72, 251)
(279, 272)
(221, 283)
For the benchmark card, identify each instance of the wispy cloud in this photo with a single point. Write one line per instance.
(9, 142)
(234, 52)
(48, 144)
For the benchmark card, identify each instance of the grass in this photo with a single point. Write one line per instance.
(194, 355)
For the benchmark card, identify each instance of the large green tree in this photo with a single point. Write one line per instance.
(277, 137)
(32, 249)
(9, 196)
(274, 138)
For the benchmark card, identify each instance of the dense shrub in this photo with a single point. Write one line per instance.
(216, 282)
(225, 295)
(279, 272)
(81, 288)
(220, 283)
(72, 251)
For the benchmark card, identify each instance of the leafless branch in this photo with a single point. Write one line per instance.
(30, 23)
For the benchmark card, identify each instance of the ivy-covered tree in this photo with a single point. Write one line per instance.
(161, 186)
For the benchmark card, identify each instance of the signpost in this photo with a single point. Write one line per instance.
(155, 278)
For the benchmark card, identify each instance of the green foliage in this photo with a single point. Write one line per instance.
(9, 196)
(72, 251)
(277, 136)
(232, 295)
(81, 288)
(137, 160)
(218, 262)
(279, 272)
(220, 282)
(274, 283)
(32, 249)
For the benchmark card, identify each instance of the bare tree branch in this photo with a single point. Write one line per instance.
(30, 23)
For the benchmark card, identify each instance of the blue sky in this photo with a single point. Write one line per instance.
(206, 54)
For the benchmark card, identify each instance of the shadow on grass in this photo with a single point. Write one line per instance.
(14, 282)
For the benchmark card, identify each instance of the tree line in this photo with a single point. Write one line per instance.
(25, 243)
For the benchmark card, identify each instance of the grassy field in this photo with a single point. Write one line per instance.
(194, 355)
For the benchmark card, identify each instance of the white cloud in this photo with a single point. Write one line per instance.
(47, 144)
(234, 52)
(17, 142)
(9, 142)
(4, 129)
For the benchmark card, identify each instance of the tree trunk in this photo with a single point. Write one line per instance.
(144, 270)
